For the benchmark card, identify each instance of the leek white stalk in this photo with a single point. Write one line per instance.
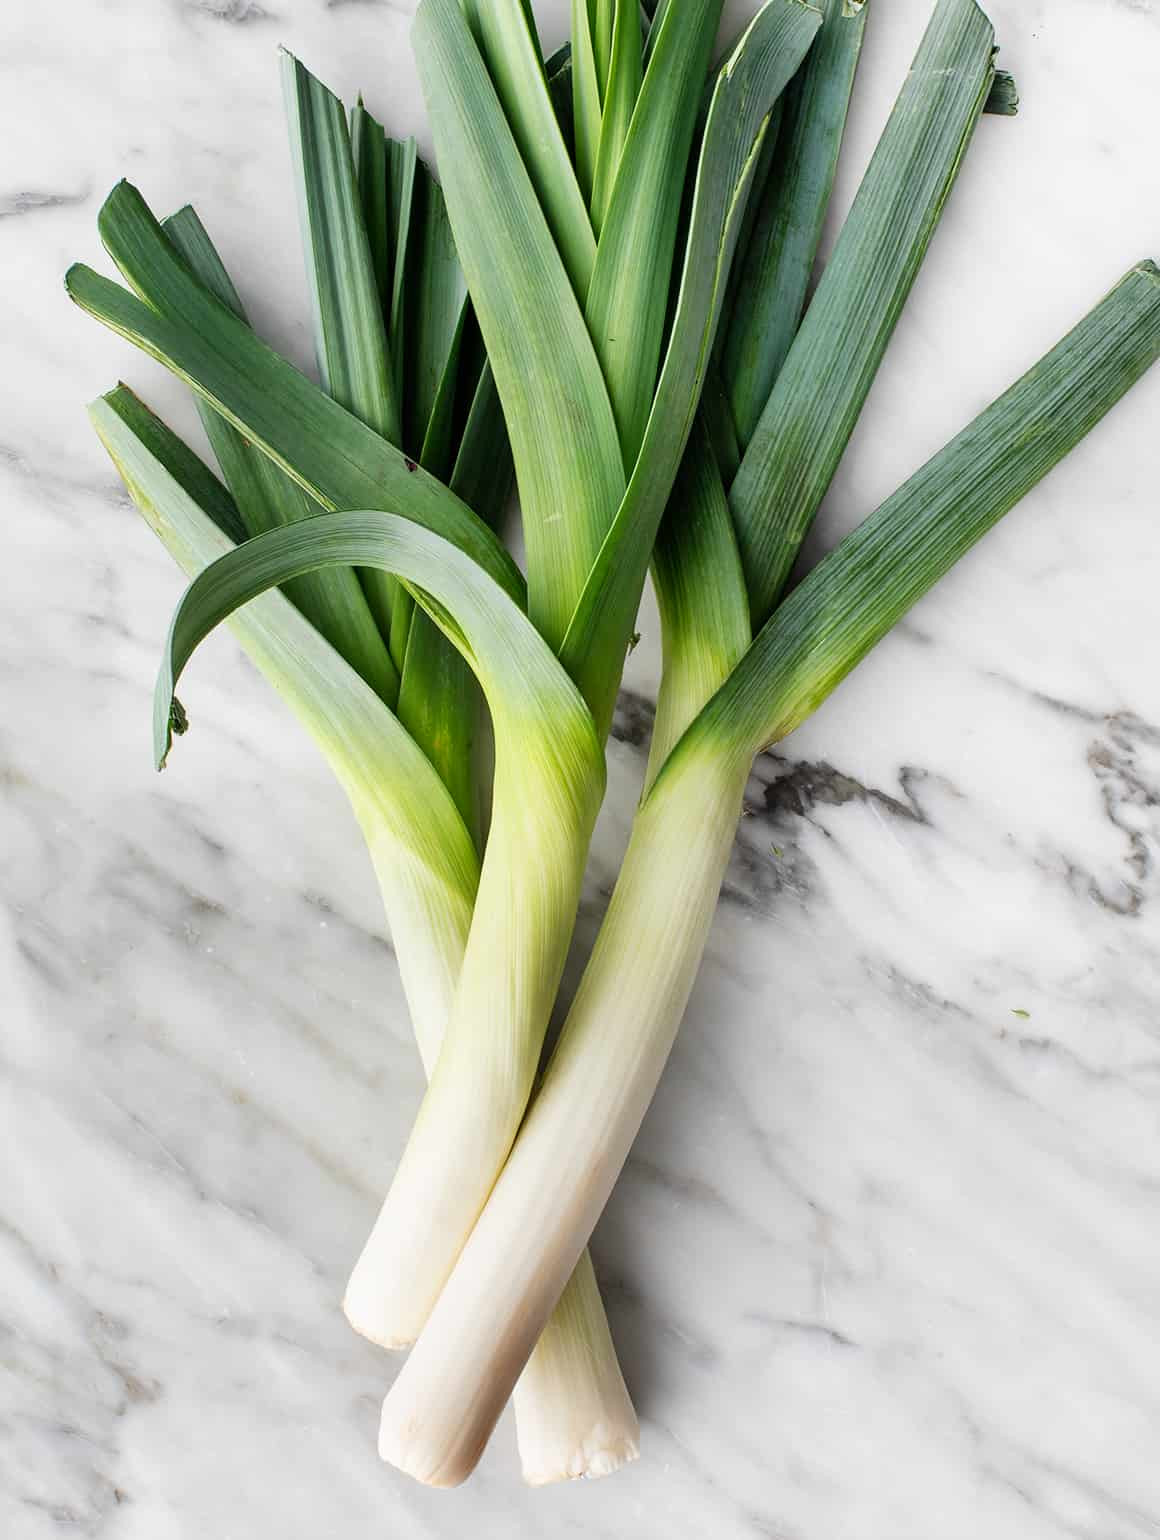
(444, 1404)
(573, 1413)
(547, 792)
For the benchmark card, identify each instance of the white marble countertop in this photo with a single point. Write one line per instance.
(885, 1262)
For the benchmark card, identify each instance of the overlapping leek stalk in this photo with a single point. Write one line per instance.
(443, 1406)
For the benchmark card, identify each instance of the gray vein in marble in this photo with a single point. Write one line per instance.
(40, 200)
(236, 12)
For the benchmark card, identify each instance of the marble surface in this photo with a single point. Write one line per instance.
(885, 1262)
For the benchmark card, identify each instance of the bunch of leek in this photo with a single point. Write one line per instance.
(637, 248)
(390, 702)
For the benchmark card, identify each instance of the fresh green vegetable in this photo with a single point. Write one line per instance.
(638, 233)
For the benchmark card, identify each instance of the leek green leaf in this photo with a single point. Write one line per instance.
(334, 456)
(436, 303)
(350, 340)
(368, 147)
(549, 780)
(700, 592)
(402, 173)
(746, 89)
(423, 855)
(266, 497)
(586, 107)
(508, 45)
(778, 258)
(563, 435)
(1003, 98)
(810, 413)
(624, 82)
(349, 335)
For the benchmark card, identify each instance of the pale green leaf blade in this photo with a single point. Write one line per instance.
(427, 867)
(765, 59)
(334, 456)
(368, 145)
(563, 435)
(775, 268)
(266, 497)
(402, 174)
(373, 158)
(1003, 100)
(586, 110)
(818, 395)
(549, 780)
(439, 705)
(629, 294)
(350, 339)
(601, 12)
(624, 82)
(508, 46)
(869, 581)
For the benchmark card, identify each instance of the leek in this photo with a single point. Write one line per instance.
(637, 234)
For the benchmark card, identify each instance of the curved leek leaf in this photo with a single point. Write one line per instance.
(423, 854)
(819, 392)
(338, 460)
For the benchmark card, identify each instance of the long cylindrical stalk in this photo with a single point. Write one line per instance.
(445, 1402)
(483, 1077)
(574, 1416)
